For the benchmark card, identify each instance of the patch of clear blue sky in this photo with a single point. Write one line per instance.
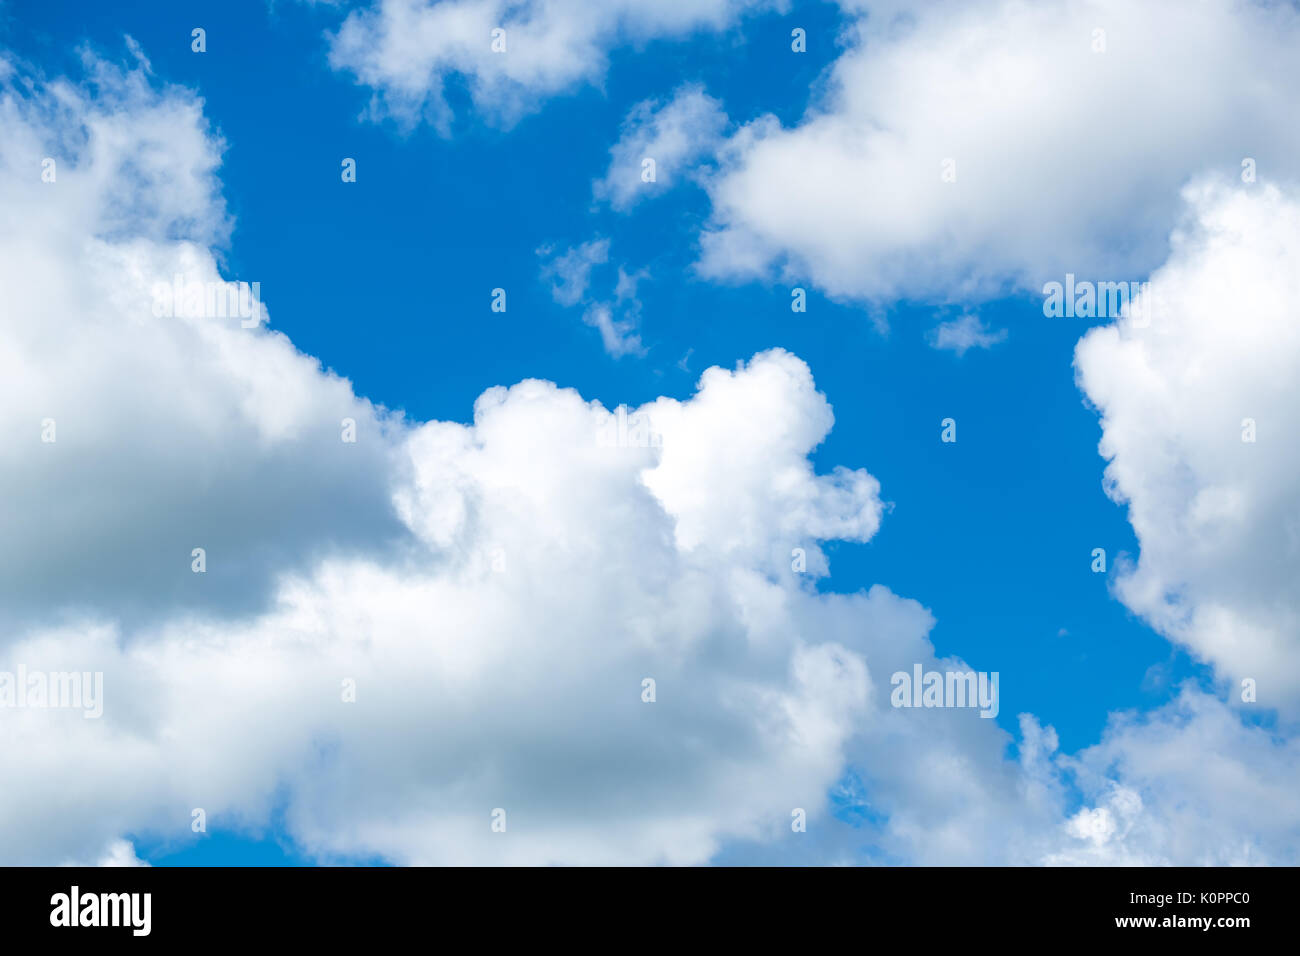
(388, 281)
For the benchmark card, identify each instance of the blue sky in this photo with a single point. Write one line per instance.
(388, 283)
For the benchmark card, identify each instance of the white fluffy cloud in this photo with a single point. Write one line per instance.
(674, 135)
(498, 642)
(1189, 784)
(1065, 159)
(1212, 497)
(504, 667)
(409, 51)
(498, 597)
(169, 433)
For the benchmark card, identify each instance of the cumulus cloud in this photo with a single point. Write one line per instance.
(129, 438)
(117, 853)
(479, 634)
(505, 669)
(121, 853)
(1188, 784)
(672, 135)
(1197, 395)
(410, 51)
(967, 149)
(498, 641)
